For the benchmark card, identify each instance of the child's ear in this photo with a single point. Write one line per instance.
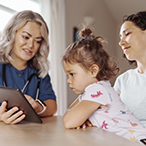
(94, 69)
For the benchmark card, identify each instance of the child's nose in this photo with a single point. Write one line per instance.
(68, 81)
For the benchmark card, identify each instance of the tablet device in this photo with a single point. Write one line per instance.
(15, 97)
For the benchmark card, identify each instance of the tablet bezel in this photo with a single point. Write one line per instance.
(15, 97)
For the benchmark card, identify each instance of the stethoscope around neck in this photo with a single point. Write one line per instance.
(28, 81)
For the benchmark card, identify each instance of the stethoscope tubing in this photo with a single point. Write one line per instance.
(28, 81)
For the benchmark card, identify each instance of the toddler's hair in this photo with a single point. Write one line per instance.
(89, 51)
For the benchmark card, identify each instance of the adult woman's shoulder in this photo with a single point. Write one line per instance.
(123, 79)
(129, 73)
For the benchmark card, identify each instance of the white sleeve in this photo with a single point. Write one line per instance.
(117, 85)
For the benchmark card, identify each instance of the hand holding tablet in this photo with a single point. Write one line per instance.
(15, 98)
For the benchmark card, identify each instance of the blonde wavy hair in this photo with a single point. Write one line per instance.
(7, 38)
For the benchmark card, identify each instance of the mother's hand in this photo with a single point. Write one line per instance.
(11, 116)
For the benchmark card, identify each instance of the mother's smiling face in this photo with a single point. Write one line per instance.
(132, 41)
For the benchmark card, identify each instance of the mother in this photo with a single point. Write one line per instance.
(131, 85)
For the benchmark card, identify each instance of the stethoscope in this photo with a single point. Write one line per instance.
(28, 81)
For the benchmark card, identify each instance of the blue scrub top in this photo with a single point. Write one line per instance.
(17, 79)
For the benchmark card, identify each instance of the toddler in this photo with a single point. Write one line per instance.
(89, 69)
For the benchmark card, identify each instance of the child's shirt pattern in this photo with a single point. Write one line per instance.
(116, 118)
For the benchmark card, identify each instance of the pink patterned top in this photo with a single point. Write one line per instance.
(116, 118)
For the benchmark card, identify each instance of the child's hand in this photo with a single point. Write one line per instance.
(85, 125)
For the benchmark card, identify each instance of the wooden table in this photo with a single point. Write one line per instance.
(53, 133)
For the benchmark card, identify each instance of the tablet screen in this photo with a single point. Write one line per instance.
(15, 97)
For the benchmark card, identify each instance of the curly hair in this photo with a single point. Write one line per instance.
(7, 38)
(139, 20)
(89, 51)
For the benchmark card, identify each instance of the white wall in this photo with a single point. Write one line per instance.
(104, 25)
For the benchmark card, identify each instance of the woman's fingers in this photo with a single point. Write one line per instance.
(12, 116)
(17, 120)
(3, 107)
(31, 101)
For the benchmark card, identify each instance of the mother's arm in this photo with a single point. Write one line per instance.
(51, 106)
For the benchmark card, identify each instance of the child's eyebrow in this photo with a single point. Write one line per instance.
(68, 70)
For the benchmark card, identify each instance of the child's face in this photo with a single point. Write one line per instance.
(78, 79)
